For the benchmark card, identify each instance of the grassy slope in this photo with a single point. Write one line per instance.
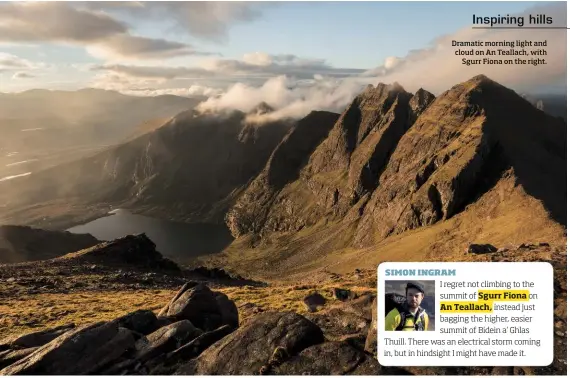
(505, 217)
(35, 312)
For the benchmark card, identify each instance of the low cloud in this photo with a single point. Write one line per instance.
(121, 83)
(151, 72)
(290, 98)
(200, 90)
(151, 92)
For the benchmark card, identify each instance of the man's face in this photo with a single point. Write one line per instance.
(414, 297)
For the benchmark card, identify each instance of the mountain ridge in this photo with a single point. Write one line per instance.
(391, 163)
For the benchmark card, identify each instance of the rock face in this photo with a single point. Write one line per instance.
(396, 161)
(21, 243)
(8, 357)
(78, 352)
(344, 165)
(140, 321)
(206, 309)
(347, 321)
(253, 346)
(34, 339)
(166, 339)
(250, 212)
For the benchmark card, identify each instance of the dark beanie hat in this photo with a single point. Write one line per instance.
(416, 285)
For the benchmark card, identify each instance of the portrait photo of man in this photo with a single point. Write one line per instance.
(407, 311)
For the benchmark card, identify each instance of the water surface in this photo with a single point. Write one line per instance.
(175, 240)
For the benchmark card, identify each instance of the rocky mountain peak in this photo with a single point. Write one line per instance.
(261, 109)
(421, 100)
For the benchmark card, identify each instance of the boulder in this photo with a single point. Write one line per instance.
(330, 358)
(253, 345)
(346, 319)
(141, 321)
(481, 248)
(82, 351)
(34, 339)
(163, 321)
(8, 357)
(228, 310)
(167, 364)
(204, 308)
(165, 339)
(343, 294)
(313, 301)
(372, 338)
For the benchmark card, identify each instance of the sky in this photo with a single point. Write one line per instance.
(296, 54)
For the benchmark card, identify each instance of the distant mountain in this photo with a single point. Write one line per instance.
(42, 128)
(20, 244)
(192, 168)
(552, 104)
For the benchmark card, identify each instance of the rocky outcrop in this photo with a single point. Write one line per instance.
(199, 336)
(34, 339)
(206, 309)
(313, 301)
(254, 346)
(346, 321)
(78, 352)
(8, 357)
(132, 250)
(140, 321)
(421, 100)
(481, 248)
(250, 212)
(330, 358)
(165, 339)
(22, 243)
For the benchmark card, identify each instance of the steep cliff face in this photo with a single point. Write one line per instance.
(466, 138)
(343, 169)
(251, 210)
(395, 162)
